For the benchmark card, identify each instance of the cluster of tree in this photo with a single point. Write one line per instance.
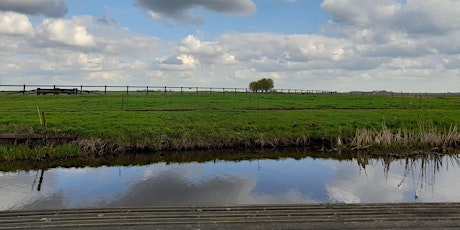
(262, 85)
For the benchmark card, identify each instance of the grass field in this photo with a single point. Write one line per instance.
(134, 122)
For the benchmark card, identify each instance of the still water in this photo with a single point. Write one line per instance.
(260, 181)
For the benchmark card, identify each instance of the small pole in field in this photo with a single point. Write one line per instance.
(39, 116)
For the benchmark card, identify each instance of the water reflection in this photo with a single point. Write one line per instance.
(359, 179)
(419, 171)
(40, 180)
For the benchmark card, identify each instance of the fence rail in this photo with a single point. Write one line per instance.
(80, 89)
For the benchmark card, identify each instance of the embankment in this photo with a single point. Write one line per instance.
(381, 142)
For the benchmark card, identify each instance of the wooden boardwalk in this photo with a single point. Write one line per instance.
(323, 216)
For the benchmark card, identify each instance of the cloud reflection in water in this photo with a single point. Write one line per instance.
(233, 183)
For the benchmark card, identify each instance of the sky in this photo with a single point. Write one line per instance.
(335, 45)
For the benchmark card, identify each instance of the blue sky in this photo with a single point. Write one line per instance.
(270, 16)
(341, 45)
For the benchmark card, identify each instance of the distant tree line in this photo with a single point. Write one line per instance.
(262, 85)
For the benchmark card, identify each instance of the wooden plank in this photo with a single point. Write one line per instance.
(325, 216)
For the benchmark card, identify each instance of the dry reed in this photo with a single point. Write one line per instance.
(427, 136)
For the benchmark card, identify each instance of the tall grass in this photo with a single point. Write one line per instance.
(25, 152)
(426, 136)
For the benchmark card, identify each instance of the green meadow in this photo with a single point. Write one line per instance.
(120, 122)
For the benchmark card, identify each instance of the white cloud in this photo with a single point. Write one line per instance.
(393, 22)
(401, 63)
(187, 60)
(109, 76)
(399, 40)
(265, 52)
(68, 32)
(15, 24)
(76, 50)
(311, 61)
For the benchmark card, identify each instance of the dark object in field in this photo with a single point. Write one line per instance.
(57, 91)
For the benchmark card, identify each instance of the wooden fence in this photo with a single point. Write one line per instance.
(80, 89)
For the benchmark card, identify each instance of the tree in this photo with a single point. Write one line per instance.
(264, 84)
(254, 86)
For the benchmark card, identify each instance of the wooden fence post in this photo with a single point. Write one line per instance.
(39, 116)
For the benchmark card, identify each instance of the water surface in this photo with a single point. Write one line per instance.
(284, 181)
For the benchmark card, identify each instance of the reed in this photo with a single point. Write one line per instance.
(427, 136)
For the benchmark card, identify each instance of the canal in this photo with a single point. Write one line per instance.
(283, 180)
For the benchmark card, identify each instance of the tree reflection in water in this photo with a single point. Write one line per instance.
(420, 168)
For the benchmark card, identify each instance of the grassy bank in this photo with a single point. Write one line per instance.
(116, 122)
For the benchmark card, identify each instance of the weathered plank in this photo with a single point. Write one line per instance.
(324, 216)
